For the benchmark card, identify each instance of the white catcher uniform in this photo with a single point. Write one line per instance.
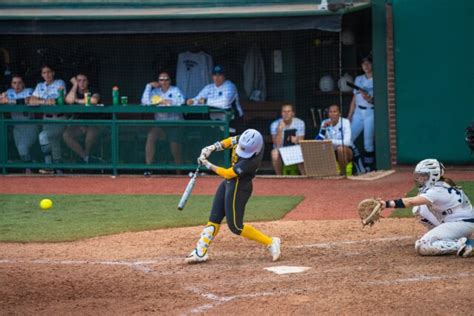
(449, 217)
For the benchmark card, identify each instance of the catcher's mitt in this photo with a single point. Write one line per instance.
(369, 211)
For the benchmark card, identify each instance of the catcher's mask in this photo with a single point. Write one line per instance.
(469, 136)
(428, 172)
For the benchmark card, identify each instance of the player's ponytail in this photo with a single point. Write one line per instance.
(448, 181)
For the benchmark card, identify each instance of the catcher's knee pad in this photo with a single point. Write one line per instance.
(44, 142)
(430, 247)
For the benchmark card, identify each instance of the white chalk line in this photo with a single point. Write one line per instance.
(141, 266)
(218, 300)
(328, 245)
(421, 278)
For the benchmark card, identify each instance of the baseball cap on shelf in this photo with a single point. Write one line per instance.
(218, 70)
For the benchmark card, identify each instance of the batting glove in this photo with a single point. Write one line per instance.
(204, 162)
(207, 151)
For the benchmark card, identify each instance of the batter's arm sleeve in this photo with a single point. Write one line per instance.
(229, 142)
(228, 173)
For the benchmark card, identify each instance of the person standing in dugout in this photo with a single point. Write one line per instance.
(361, 113)
(233, 193)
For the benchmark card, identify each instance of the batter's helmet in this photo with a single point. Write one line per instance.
(250, 143)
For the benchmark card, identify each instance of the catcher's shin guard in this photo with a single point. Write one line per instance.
(426, 247)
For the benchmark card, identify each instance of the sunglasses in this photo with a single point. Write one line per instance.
(164, 79)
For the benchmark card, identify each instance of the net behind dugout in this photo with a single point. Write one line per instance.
(319, 158)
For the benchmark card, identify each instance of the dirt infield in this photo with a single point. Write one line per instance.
(351, 271)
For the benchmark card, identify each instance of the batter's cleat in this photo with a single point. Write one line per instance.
(274, 248)
(193, 257)
(466, 249)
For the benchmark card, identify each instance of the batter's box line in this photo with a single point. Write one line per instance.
(141, 266)
(421, 278)
(328, 245)
(218, 300)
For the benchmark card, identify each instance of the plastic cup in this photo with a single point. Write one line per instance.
(124, 100)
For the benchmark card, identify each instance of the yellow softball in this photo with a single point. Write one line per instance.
(45, 204)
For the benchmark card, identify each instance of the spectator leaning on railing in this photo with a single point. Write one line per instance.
(46, 93)
(221, 94)
(25, 135)
(82, 93)
(162, 93)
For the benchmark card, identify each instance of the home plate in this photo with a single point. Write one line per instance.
(286, 269)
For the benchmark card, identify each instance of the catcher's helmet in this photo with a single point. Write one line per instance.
(428, 172)
(250, 143)
(469, 136)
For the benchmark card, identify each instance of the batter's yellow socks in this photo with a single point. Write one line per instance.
(252, 233)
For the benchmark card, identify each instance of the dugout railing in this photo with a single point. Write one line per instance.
(121, 141)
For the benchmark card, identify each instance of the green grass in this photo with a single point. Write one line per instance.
(74, 217)
(467, 186)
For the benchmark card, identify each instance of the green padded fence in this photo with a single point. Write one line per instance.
(122, 136)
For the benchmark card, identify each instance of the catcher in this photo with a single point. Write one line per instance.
(440, 205)
(233, 193)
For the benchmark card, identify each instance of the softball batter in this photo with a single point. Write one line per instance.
(443, 208)
(233, 193)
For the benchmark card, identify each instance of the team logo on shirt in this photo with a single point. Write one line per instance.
(239, 170)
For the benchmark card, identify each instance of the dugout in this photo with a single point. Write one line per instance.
(126, 44)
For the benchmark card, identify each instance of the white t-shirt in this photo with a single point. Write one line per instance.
(13, 95)
(221, 97)
(337, 134)
(194, 71)
(448, 204)
(296, 124)
(366, 84)
(173, 94)
(46, 92)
